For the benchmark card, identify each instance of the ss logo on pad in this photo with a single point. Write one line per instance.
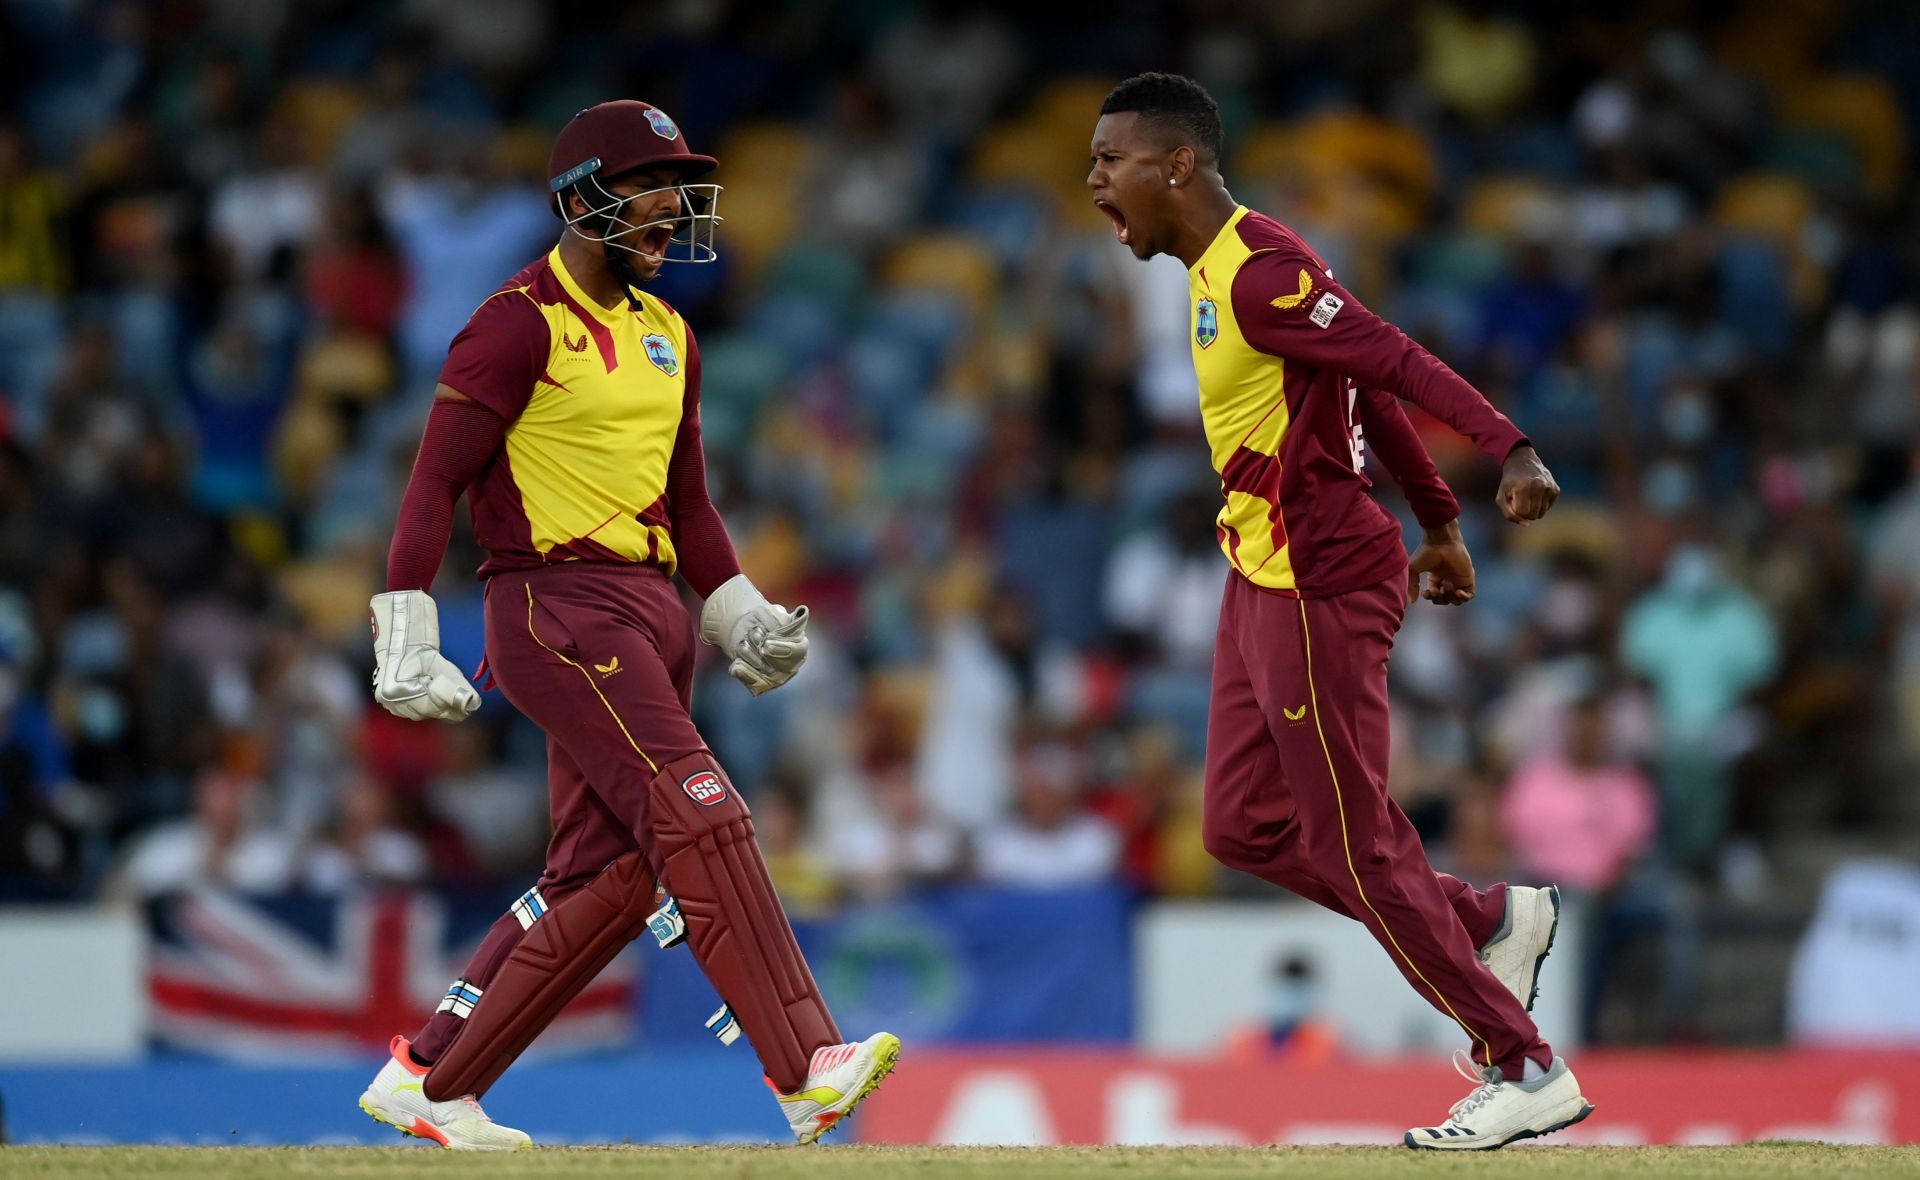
(705, 788)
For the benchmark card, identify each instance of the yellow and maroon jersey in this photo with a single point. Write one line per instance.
(599, 403)
(1281, 351)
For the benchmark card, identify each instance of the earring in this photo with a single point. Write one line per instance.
(1172, 181)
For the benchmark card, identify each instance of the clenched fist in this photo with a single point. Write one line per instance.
(1527, 488)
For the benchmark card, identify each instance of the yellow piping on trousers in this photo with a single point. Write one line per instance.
(1346, 845)
(651, 764)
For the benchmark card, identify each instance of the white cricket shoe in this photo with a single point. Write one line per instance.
(839, 1078)
(1498, 1111)
(398, 1098)
(1516, 951)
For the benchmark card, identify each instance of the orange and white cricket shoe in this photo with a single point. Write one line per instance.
(398, 1098)
(839, 1078)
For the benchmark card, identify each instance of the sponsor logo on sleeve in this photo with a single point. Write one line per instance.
(1289, 302)
(1324, 311)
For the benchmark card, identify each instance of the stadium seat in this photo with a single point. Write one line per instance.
(949, 263)
(738, 371)
(1767, 204)
(323, 110)
(830, 275)
(1013, 157)
(766, 166)
(1010, 220)
(1822, 157)
(1509, 207)
(1866, 112)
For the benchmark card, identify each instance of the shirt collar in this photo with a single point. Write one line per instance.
(606, 315)
(1227, 233)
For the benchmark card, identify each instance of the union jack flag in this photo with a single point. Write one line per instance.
(269, 978)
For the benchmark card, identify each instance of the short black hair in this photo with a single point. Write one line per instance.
(1174, 100)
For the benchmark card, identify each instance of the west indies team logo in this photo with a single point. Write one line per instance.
(662, 126)
(660, 352)
(1206, 323)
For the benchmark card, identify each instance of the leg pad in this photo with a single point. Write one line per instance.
(703, 839)
(564, 947)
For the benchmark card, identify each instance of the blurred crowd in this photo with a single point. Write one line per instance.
(1674, 242)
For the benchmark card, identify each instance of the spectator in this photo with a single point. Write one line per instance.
(222, 844)
(1704, 644)
(369, 846)
(1051, 841)
(991, 674)
(37, 851)
(1582, 818)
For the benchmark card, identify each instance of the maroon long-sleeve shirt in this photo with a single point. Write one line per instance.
(576, 438)
(1283, 353)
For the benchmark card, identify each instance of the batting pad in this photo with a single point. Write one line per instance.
(703, 838)
(565, 946)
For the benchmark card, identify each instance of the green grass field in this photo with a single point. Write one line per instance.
(1756, 1162)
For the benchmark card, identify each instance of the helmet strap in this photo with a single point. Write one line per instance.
(620, 264)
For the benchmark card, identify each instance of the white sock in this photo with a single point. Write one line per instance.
(1531, 1070)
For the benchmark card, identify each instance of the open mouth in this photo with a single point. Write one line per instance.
(1114, 215)
(654, 243)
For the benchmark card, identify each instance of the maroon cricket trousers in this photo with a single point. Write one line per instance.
(600, 657)
(1296, 794)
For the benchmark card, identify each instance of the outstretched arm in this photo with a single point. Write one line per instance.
(1323, 325)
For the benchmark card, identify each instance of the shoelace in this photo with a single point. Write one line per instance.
(1489, 1082)
(473, 1104)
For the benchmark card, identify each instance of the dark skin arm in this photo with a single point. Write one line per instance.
(1527, 488)
(1443, 558)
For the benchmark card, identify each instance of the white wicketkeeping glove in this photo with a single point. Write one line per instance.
(768, 642)
(411, 679)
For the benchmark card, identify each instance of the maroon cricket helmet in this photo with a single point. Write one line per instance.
(617, 137)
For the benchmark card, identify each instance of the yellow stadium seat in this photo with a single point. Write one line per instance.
(323, 110)
(1508, 207)
(1371, 177)
(1008, 154)
(521, 151)
(1266, 152)
(1045, 150)
(768, 150)
(1070, 107)
(945, 262)
(765, 166)
(1865, 110)
(1772, 206)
